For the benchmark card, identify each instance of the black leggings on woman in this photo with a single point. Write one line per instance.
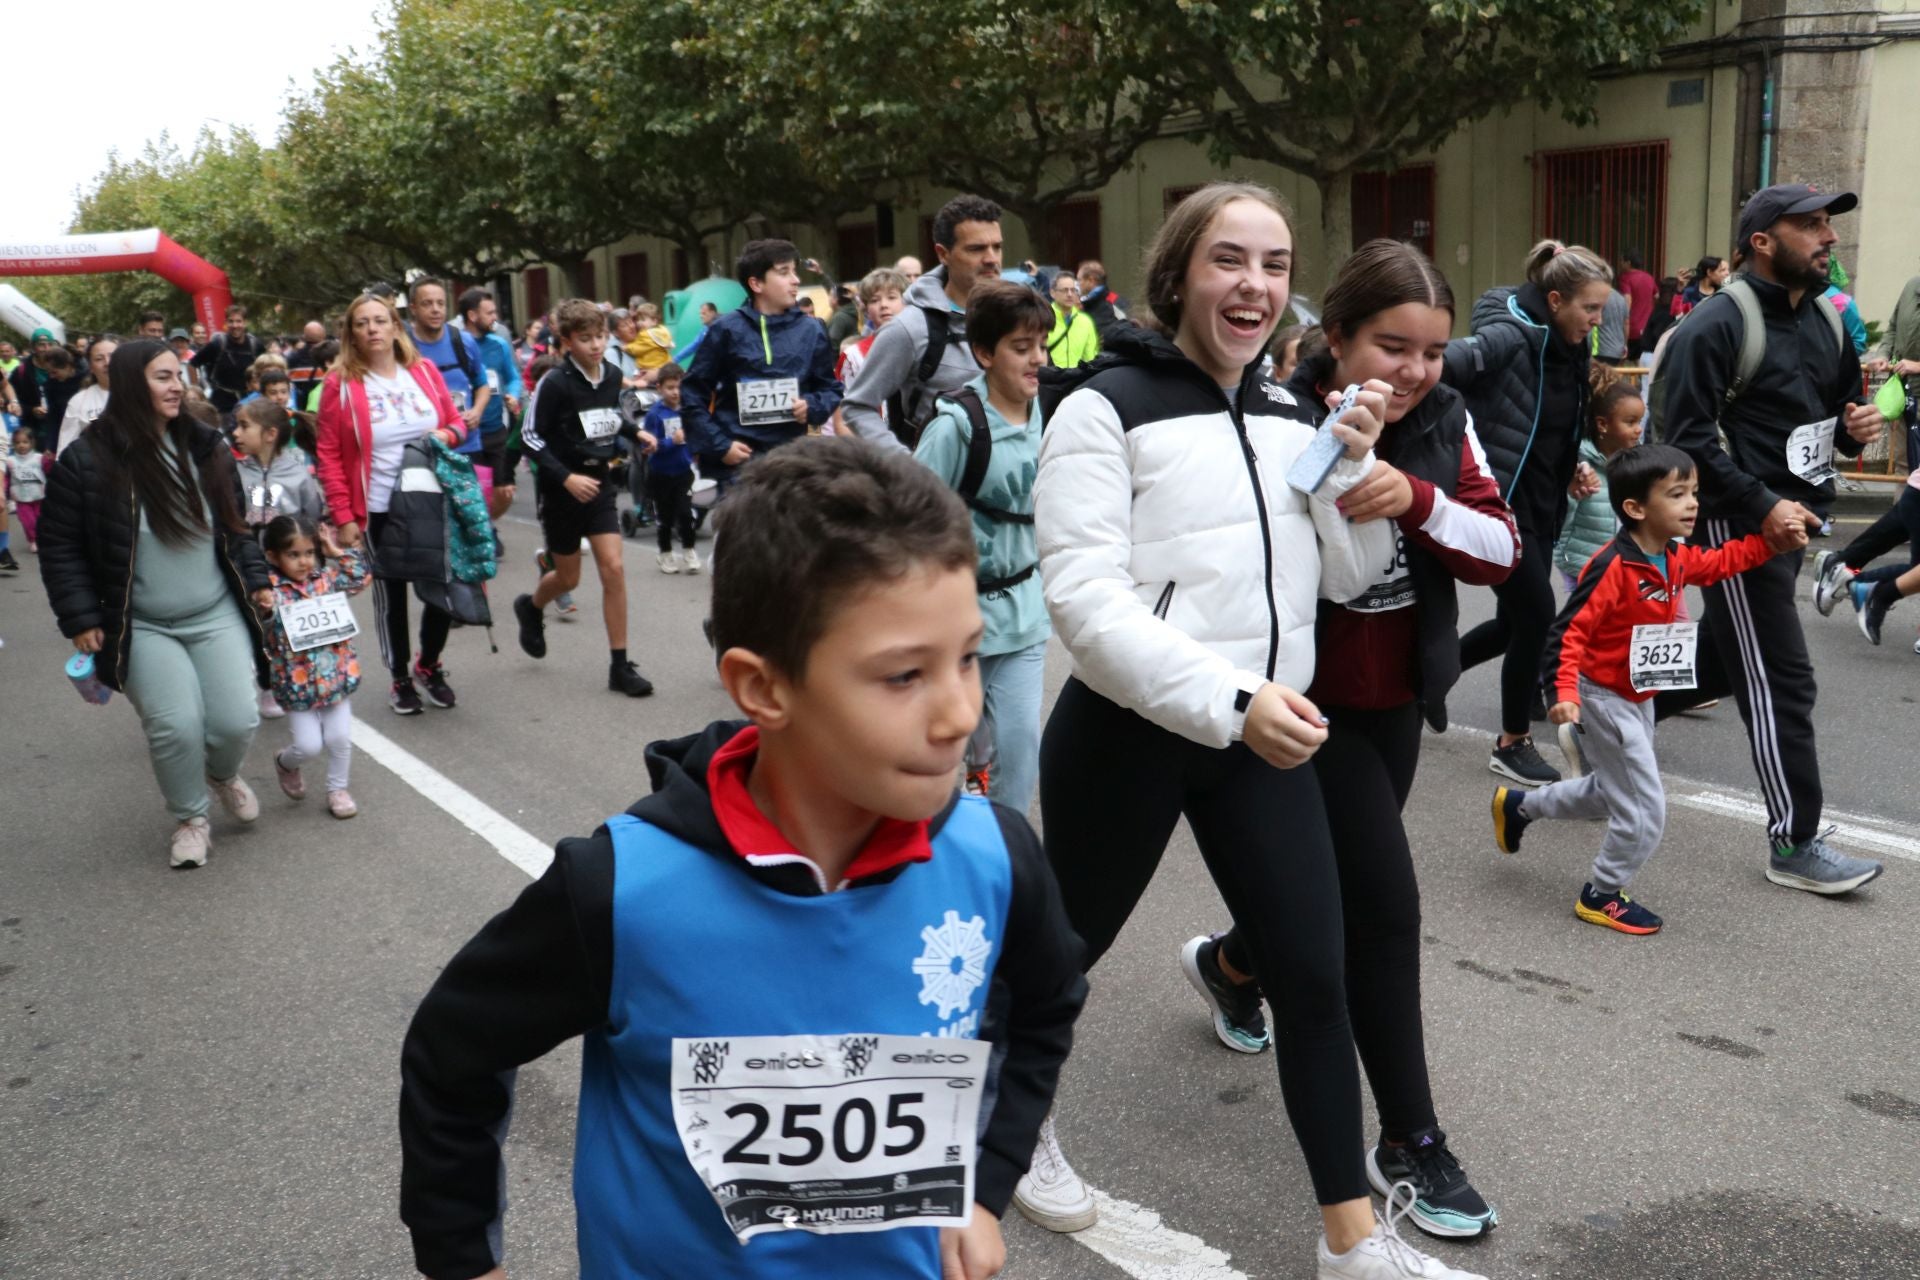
(390, 603)
(1519, 631)
(1365, 770)
(1112, 788)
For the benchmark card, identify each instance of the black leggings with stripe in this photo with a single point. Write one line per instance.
(1112, 788)
(390, 604)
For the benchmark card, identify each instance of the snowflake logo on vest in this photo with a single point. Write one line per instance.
(954, 962)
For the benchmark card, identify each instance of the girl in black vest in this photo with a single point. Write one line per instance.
(1383, 659)
(1524, 376)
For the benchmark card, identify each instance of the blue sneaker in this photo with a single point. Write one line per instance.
(1615, 911)
(1445, 1203)
(1234, 1006)
(1871, 605)
(1508, 822)
(1819, 868)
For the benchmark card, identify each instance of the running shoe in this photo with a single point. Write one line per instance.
(690, 560)
(564, 607)
(1235, 1007)
(1520, 762)
(1870, 603)
(404, 698)
(270, 708)
(1825, 530)
(236, 797)
(1916, 646)
(433, 680)
(1615, 911)
(290, 780)
(1385, 1255)
(1050, 1193)
(1818, 867)
(533, 627)
(563, 603)
(191, 840)
(341, 805)
(1830, 579)
(666, 561)
(11, 565)
(1446, 1205)
(1508, 822)
(624, 677)
(1569, 737)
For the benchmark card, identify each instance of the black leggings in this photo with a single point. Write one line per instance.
(1365, 771)
(1112, 787)
(1900, 523)
(672, 507)
(1518, 630)
(390, 602)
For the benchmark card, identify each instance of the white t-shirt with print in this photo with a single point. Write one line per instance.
(399, 413)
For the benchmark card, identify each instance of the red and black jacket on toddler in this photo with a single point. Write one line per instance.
(673, 939)
(1399, 640)
(1622, 588)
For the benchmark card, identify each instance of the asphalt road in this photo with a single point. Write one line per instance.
(198, 1070)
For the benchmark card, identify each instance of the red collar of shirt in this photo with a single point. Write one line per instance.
(754, 836)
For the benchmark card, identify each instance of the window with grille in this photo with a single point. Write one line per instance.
(587, 282)
(1172, 196)
(537, 291)
(1073, 233)
(633, 272)
(1611, 199)
(1395, 206)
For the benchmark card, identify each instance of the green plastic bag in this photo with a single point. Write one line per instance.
(1891, 399)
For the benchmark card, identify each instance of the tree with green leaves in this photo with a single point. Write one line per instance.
(1330, 90)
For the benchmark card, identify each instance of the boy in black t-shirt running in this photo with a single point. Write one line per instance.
(574, 433)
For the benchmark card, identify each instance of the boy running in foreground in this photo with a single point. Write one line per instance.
(1615, 644)
(780, 959)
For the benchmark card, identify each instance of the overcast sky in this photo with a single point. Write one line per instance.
(82, 80)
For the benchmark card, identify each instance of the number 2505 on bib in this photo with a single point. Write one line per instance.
(831, 1134)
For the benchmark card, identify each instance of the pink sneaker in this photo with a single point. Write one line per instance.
(290, 780)
(236, 797)
(341, 805)
(270, 708)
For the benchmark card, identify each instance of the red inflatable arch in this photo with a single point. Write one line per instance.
(146, 250)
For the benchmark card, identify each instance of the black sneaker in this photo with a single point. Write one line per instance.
(1615, 911)
(404, 698)
(1520, 762)
(8, 563)
(1445, 1204)
(1871, 601)
(624, 677)
(434, 680)
(1508, 821)
(533, 627)
(1237, 1017)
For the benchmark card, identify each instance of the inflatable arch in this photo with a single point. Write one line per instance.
(20, 312)
(144, 250)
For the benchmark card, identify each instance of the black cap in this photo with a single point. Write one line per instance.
(1770, 204)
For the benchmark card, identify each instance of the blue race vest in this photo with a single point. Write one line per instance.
(702, 949)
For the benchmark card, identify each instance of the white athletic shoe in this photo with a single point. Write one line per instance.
(690, 560)
(1384, 1255)
(1050, 1193)
(191, 840)
(236, 797)
(666, 562)
(1569, 736)
(1831, 577)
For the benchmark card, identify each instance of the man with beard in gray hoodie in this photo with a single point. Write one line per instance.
(924, 354)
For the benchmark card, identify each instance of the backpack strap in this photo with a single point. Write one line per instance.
(941, 333)
(1753, 335)
(979, 454)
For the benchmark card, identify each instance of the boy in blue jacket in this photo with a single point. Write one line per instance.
(762, 374)
(782, 959)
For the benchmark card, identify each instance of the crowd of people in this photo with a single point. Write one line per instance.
(1249, 538)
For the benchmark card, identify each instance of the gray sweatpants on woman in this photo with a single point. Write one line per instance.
(1621, 784)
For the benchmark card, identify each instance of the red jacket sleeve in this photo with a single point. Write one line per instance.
(1704, 566)
(329, 446)
(1472, 533)
(1588, 607)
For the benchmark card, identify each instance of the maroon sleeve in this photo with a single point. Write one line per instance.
(1472, 533)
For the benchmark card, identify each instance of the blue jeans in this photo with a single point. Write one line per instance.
(1013, 684)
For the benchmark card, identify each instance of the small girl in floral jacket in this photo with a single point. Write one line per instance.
(310, 644)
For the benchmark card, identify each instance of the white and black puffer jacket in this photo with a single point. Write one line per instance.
(1181, 570)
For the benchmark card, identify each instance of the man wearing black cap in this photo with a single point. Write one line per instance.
(1763, 449)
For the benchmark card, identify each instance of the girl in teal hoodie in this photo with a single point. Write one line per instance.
(1617, 410)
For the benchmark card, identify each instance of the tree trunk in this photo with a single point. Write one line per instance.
(568, 265)
(1037, 220)
(1336, 219)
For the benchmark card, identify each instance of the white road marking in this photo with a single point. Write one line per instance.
(1133, 1238)
(509, 840)
(1138, 1242)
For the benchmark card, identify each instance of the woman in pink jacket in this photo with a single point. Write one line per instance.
(382, 397)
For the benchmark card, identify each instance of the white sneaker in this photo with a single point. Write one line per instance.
(666, 562)
(690, 560)
(1050, 1193)
(1384, 1255)
(269, 708)
(191, 840)
(236, 797)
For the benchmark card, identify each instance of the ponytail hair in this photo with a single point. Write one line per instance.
(1562, 269)
(1378, 276)
(1611, 388)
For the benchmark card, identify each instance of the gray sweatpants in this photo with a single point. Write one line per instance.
(191, 680)
(1622, 784)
